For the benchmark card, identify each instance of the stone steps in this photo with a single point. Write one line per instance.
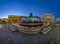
(46, 30)
(12, 28)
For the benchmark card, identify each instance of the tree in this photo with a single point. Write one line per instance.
(57, 22)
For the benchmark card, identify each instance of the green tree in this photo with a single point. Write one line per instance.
(57, 22)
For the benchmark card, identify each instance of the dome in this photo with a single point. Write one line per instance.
(31, 19)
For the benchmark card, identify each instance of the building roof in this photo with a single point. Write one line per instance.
(48, 14)
(13, 15)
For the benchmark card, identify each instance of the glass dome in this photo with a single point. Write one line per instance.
(31, 19)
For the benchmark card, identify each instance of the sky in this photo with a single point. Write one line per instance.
(25, 7)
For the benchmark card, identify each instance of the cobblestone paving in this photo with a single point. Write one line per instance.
(9, 37)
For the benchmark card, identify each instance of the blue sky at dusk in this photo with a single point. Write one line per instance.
(24, 7)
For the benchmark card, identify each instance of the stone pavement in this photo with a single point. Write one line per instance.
(9, 37)
(1, 26)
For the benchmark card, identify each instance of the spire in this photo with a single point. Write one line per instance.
(30, 15)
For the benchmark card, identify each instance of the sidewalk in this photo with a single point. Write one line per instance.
(1, 26)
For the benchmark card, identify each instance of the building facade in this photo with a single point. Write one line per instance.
(14, 19)
(0, 20)
(5, 19)
(58, 21)
(48, 18)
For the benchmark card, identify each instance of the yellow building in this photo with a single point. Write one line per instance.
(14, 18)
(5, 19)
(0, 20)
(48, 18)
